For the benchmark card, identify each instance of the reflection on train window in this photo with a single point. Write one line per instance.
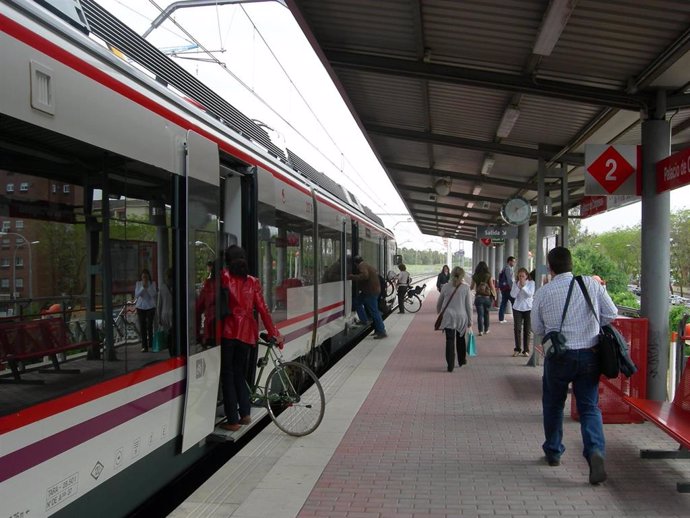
(69, 262)
(369, 250)
(330, 265)
(286, 262)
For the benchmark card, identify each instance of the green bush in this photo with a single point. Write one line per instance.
(674, 316)
(625, 298)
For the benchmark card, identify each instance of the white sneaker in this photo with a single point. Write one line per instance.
(502, 321)
(480, 333)
(486, 332)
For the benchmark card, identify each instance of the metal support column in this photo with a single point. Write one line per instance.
(523, 246)
(510, 248)
(656, 143)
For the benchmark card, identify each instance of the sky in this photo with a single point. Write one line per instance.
(267, 62)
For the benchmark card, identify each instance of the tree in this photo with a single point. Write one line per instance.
(590, 261)
(680, 248)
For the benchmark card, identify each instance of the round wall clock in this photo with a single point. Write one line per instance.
(516, 211)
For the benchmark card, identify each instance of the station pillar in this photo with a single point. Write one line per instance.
(655, 265)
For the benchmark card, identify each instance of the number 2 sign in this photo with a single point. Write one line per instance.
(611, 169)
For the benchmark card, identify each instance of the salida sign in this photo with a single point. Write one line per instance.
(673, 171)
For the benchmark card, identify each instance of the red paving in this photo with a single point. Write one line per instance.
(431, 443)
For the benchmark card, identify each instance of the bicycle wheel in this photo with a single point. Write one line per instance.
(294, 399)
(413, 303)
(390, 288)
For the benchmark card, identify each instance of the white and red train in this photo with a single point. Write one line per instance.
(106, 168)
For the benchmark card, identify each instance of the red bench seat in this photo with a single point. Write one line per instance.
(673, 418)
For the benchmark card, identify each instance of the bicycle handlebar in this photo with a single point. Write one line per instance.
(270, 341)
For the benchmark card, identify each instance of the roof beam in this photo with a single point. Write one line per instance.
(462, 196)
(545, 152)
(492, 180)
(485, 79)
(409, 201)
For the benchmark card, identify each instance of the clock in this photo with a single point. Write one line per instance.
(516, 211)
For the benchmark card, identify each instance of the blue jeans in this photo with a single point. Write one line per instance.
(505, 297)
(482, 304)
(581, 368)
(369, 303)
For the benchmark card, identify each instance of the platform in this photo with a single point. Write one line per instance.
(402, 437)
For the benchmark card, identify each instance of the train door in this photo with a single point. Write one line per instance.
(196, 249)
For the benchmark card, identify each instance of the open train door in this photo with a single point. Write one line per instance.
(197, 246)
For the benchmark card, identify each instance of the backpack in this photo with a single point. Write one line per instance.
(482, 286)
(503, 281)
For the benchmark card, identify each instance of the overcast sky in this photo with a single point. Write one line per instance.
(267, 62)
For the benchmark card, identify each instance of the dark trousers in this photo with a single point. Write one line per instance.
(522, 319)
(402, 290)
(482, 303)
(145, 317)
(505, 297)
(233, 372)
(455, 341)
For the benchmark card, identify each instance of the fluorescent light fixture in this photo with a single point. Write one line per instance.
(476, 190)
(470, 204)
(510, 117)
(552, 26)
(465, 214)
(488, 164)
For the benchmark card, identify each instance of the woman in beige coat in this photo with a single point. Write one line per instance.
(457, 318)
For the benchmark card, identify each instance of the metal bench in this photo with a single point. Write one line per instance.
(673, 418)
(34, 339)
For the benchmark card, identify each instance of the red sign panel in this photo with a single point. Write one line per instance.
(673, 171)
(591, 205)
(486, 241)
(611, 170)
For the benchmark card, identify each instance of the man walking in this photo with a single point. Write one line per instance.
(370, 288)
(505, 284)
(579, 364)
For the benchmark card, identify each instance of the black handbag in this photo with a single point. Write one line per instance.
(554, 341)
(610, 341)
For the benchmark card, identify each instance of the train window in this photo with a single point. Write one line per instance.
(286, 261)
(70, 265)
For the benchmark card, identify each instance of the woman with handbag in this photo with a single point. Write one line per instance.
(455, 316)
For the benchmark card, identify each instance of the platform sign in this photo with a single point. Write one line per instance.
(612, 169)
(591, 205)
(497, 232)
(486, 241)
(673, 171)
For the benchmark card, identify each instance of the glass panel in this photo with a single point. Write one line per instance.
(286, 259)
(204, 204)
(55, 289)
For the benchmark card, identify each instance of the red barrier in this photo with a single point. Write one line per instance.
(614, 410)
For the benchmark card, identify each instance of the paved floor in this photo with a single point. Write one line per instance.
(403, 437)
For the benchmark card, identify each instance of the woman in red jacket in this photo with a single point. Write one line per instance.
(240, 332)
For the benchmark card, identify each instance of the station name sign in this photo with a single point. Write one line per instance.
(673, 171)
(497, 232)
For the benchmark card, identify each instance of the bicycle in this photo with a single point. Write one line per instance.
(292, 393)
(412, 302)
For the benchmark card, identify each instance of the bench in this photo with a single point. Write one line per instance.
(673, 418)
(34, 339)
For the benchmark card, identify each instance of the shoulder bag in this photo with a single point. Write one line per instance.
(610, 342)
(439, 318)
(554, 341)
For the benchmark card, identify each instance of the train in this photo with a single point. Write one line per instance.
(114, 159)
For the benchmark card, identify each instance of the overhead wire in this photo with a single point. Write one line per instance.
(215, 60)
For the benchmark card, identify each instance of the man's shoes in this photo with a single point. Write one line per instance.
(486, 332)
(504, 321)
(401, 312)
(144, 350)
(480, 333)
(597, 473)
(231, 427)
(450, 369)
(378, 336)
(246, 419)
(515, 353)
(525, 353)
(553, 461)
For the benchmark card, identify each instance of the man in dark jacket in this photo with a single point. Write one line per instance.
(369, 287)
